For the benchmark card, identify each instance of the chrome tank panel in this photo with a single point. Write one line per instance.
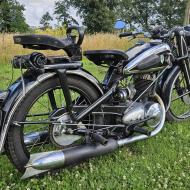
(152, 52)
(137, 50)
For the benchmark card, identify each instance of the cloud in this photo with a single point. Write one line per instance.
(35, 9)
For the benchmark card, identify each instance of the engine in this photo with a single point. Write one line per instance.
(150, 112)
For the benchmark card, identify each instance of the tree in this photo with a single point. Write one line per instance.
(45, 20)
(138, 12)
(62, 13)
(171, 12)
(145, 13)
(187, 14)
(12, 17)
(97, 15)
(100, 15)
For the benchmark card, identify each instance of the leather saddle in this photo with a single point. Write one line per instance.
(100, 57)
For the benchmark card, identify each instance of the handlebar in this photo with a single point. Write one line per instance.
(159, 33)
(127, 34)
(80, 30)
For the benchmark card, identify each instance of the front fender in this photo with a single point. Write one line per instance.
(18, 95)
(168, 84)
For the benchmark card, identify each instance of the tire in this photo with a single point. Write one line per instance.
(170, 115)
(14, 146)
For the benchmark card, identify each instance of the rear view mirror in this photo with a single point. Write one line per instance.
(120, 25)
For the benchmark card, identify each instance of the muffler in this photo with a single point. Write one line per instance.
(43, 162)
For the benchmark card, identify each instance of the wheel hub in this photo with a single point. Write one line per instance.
(62, 134)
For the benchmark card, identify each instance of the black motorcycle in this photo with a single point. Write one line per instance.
(175, 91)
(64, 115)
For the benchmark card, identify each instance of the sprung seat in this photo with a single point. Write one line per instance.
(42, 42)
(100, 57)
(45, 42)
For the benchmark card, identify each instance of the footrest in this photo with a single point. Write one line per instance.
(140, 130)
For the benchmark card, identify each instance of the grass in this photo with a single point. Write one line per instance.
(162, 162)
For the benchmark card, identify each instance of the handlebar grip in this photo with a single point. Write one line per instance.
(80, 31)
(125, 34)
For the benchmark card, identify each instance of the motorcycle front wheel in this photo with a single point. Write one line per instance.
(38, 106)
(179, 109)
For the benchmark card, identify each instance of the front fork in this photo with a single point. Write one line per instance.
(185, 67)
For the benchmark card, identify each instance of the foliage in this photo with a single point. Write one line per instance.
(100, 15)
(46, 19)
(138, 12)
(62, 13)
(11, 16)
(171, 12)
(148, 13)
(97, 15)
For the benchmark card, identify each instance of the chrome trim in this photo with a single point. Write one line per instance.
(154, 50)
(39, 160)
(47, 161)
(129, 140)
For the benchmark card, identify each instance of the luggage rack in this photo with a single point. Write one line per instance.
(44, 42)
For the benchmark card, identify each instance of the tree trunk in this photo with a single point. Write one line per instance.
(187, 14)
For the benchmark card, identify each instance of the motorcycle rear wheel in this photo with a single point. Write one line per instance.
(16, 149)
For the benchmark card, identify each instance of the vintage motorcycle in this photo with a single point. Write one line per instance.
(57, 114)
(177, 90)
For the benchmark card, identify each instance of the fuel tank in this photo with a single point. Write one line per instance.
(147, 58)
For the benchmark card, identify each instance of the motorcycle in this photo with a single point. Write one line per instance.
(63, 115)
(175, 91)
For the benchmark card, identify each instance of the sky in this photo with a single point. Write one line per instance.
(35, 9)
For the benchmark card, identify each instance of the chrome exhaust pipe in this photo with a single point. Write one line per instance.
(129, 140)
(35, 137)
(43, 162)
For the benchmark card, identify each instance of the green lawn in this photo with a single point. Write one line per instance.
(162, 162)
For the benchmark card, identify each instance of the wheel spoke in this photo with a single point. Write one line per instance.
(180, 96)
